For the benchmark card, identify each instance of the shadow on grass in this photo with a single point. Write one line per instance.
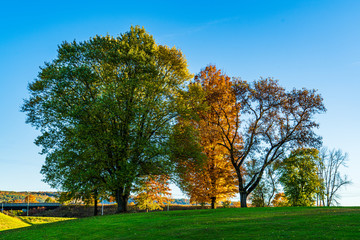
(26, 221)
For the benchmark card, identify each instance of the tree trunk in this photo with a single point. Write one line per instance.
(213, 203)
(95, 203)
(125, 199)
(121, 200)
(95, 207)
(243, 197)
(118, 198)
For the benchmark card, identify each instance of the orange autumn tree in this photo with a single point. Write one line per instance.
(30, 199)
(153, 193)
(214, 180)
(280, 200)
(257, 122)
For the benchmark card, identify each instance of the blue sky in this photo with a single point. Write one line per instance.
(312, 44)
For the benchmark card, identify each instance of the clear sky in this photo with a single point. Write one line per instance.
(312, 44)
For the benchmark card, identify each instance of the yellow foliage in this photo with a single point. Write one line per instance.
(237, 204)
(216, 180)
(280, 200)
(30, 199)
(154, 193)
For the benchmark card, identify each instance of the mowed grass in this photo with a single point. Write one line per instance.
(43, 220)
(7, 222)
(251, 223)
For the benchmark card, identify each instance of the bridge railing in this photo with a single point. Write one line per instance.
(30, 205)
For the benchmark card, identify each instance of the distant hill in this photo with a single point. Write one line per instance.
(11, 196)
(181, 201)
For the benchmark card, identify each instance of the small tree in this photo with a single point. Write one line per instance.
(264, 193)
(30, 199)
(50, 200)
(258, 196)
(153, 193)
(280, 200)
(299, 177)
(329, 172)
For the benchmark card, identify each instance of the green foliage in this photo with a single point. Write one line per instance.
(225, 204)
(105, 109)
(299, 177)
(50, 200)
(258, 196)
(264, 193)
(13, 213)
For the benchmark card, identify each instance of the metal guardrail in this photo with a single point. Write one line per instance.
(27, 206)
(7, 205)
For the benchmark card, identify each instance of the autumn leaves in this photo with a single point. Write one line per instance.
(214, 179)
(242, 124)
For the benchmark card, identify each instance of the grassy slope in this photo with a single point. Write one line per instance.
(252, 223)
(42, 220)
(7, 222)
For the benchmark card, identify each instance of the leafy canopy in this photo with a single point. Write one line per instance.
(214, 179)
(300, 177)
(105, 109)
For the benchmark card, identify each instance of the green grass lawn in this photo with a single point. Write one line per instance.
(42, 220)
(7, 222)
(251, 223)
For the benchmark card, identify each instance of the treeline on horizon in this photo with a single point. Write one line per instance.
(121, 117)
(40, 197)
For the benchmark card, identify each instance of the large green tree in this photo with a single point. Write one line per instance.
(299, 176)
(110, 102)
